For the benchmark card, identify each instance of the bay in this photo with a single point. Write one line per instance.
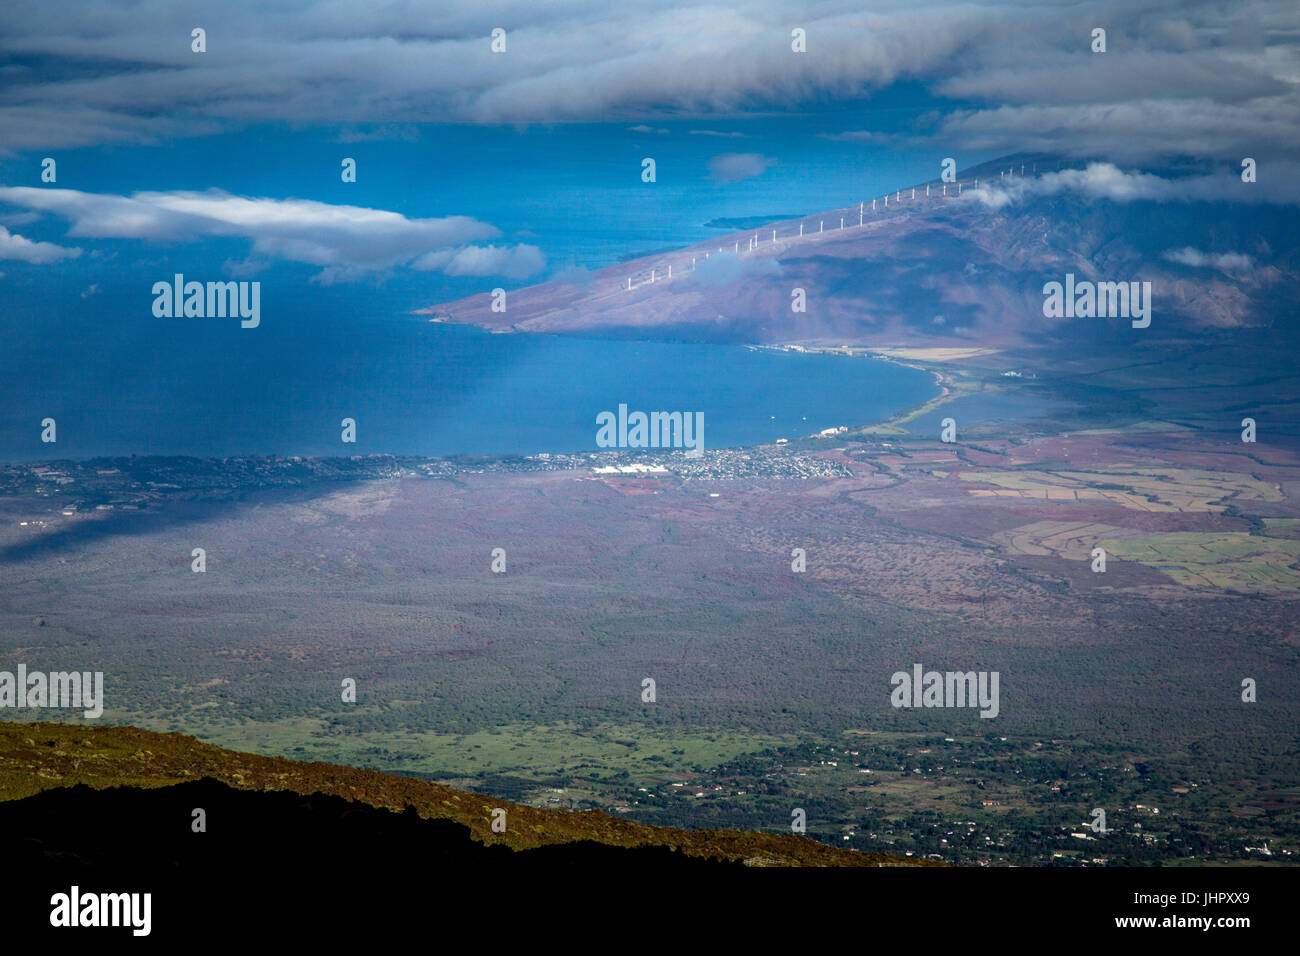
(208, 388)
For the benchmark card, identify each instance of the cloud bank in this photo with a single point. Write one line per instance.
(342, 240)
(14, 246)
(1107, 181)
(1195, 78)
(1225, 262)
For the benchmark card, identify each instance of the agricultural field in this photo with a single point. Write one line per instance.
(1224, 561)
(1170, 490)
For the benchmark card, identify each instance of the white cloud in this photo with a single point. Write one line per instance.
(513, 262)
(14, 246)
(15, 219)
(346, 240)
(1108, 181)
(854, 136)
(1103, 181)
(725, 268)
(733, 167)
(1225, 262)
(574, 275)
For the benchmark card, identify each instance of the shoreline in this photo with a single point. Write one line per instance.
(946, 381)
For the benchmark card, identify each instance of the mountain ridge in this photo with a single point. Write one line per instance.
(38, 757)
(938, 265)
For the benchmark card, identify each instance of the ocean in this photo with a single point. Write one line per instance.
(210, 389)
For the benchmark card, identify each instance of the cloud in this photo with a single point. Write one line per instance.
(1225, 262)
(19, 219)
(513, 262)
(1194, 78)
(574, 275)
(1133, 131)
(648, 130)
(125, 70)
(388, 132)
(346, 240)
(89, 291)
(714, 132)
(733, 167)
(1104, 181)
(14, 246)
(248, 268)
(1107, 181)
(853, 136)
(724, 268)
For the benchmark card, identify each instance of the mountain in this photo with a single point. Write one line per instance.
(113, 771)
(961, 269)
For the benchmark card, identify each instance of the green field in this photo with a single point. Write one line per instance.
(1227, 561)
(542, 752)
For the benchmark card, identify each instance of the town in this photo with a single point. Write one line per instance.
(77, 488)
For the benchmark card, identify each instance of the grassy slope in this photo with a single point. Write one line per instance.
(40, 756)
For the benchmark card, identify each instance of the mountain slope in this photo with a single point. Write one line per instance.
(39, 757)
(957, 269)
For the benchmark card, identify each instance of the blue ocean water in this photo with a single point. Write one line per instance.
(414, 387)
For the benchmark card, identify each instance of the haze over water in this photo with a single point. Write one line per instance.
(419, 388)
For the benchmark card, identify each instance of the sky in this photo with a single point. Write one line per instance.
(477, 168)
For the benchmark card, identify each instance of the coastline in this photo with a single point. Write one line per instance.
(953, 382)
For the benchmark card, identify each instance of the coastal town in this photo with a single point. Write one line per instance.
(79, 488)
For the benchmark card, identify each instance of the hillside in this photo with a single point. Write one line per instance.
(934, 266)
(40, 757)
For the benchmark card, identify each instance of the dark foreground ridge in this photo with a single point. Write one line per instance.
(281, 865)
(100, 813)
(265, 852)
(138, 764)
